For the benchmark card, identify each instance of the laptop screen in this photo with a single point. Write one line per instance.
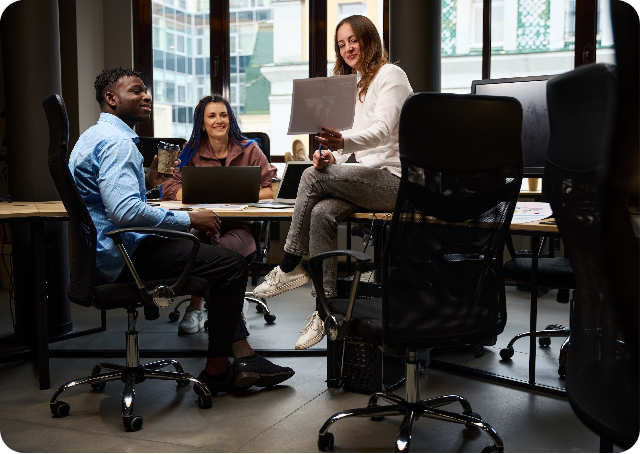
(288, 189)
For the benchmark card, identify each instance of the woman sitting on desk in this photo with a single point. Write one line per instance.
(329, 192)
(216, 140)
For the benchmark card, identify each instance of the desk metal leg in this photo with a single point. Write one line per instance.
(42, 346)
(348, 247)
(535, 247)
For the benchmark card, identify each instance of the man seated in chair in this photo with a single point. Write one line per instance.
(108, 171)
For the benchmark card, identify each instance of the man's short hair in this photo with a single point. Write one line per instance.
(108, 79)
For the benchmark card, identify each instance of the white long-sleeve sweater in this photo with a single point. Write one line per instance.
(374, 136)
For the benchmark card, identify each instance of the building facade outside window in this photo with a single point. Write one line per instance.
(269, 49)
(181, 63)
(528, 38)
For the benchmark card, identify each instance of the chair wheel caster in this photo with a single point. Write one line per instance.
(98, 386)
(562, 370)
(60, 409)
(544, 341)
(377, 418)
(183, 382)
(493, 449)
(478, 351)
(205, 401)
(472, 426)
(269, 318)
(506, 353)
(132, 423)
(259, 309)
(206, 325)
(325, 442)
(174, 316)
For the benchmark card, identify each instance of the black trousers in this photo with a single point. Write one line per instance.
(224, 269)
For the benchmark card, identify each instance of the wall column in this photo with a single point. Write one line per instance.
(418, 53)
(31, 69)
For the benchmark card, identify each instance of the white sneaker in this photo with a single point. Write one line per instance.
(277, 282)
(192, 322)
(245, 312)
(312, 333)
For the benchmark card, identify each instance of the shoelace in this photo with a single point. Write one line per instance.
(312, 317)
(270, 278)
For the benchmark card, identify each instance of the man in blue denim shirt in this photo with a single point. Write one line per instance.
(107, 168)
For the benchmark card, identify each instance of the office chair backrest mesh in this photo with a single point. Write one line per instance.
(461, 174)
(263, 142)
(602, 377)
(82, 229)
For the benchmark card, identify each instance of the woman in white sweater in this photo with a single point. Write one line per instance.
(329, 192)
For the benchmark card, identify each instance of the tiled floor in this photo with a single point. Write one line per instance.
(285, 418)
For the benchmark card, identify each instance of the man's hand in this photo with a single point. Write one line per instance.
(205, 221)
(331, 139)
(155, 178)
(322, 159)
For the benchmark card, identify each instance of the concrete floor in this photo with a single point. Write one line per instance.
(285, 418)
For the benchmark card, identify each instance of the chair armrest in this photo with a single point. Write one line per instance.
(337, 326)
(145, 294)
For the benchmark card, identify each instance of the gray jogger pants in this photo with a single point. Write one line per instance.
(327, 196)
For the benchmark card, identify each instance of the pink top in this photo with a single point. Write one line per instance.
(252, 155)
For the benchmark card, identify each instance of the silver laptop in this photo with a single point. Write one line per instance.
(239, 184)
(288, 189)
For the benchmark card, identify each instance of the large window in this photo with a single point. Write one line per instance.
(181, 64)
(268, 49)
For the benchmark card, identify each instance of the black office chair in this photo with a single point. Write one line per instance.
(590, 180)
(261, 235)
(442, 280)
(555, 273)
(130, 296)
(602, 379)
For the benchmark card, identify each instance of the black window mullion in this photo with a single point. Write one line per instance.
(486, 39)
(220, 47)
(317, 48)
(586, 23)
(143, 54)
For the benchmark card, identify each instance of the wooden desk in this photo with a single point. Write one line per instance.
(38, 212)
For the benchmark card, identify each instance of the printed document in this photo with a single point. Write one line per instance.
(323, 102)
(530, 212)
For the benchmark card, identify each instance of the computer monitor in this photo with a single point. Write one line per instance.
(532, 94)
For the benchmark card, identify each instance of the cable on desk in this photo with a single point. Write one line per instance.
(9, 270)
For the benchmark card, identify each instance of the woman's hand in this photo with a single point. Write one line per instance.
(322, 159)
(331, 139)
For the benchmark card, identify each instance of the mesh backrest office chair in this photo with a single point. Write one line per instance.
(130, 296)
(442, 280)
(592, 215)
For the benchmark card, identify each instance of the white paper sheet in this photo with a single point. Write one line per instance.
(531, 212)
(177, 205)
(323, 102)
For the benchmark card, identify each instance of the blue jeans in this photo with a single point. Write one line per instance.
(326, 197)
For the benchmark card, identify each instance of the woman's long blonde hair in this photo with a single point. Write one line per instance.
(372, 53)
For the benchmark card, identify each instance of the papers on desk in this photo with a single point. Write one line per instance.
(323, 102)
(176, 205)
(531, 212)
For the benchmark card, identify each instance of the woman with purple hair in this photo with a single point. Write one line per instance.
(216, 140)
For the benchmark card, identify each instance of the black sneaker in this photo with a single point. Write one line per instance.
(226, 386)
(259, 372)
